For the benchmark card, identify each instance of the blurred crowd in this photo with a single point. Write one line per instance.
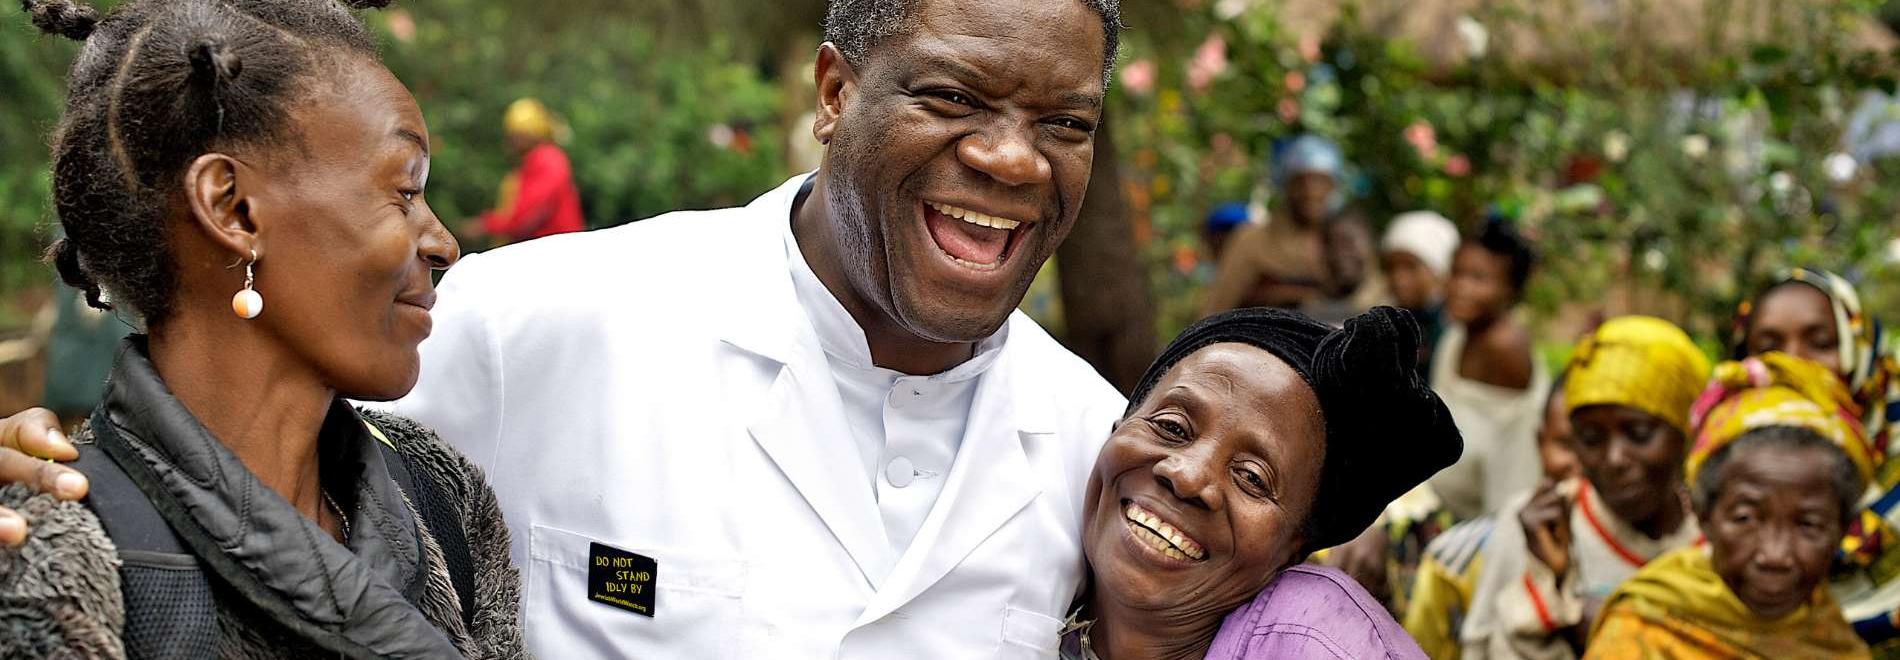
(1639, 498)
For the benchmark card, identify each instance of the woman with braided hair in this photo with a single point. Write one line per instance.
(215, 156)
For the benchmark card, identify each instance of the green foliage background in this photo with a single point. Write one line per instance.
(640, 90)
(1589, 157)
(643, 85)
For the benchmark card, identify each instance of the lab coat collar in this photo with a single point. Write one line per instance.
(990, 482)
(801, 425)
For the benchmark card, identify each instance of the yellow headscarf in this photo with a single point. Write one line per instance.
(1777, 389)
(529, 118)
(1641, 362)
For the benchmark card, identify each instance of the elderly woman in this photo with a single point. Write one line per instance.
(1258, 437)
(1778, 465)
(1817, 315)
(213, 156)
(1557, 551)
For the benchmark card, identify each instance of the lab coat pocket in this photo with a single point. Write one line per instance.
(1033, 630)
(697, 597)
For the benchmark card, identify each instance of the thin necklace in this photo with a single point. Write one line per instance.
(342, 519)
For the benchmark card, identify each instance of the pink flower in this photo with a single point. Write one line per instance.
(1139, 77)
(1289, 111)
(1210, 60)
(402, 26)
(1295, 81)
(1457, 166)
(1423, 138)
(1221, 143)
(1310, 47)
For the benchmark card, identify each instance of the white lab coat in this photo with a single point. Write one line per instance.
(657, 388)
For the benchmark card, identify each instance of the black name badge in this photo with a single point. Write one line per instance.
(621, 579)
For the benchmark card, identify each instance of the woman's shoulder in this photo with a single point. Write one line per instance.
(411, 438)
(1314, 612)
(427, 456)
(63, 582)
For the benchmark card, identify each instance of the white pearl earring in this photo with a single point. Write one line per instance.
(248, 303)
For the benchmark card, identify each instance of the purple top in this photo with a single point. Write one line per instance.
(1312, 612)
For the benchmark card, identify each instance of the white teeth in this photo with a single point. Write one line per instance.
(1164, 537)
(975, 218)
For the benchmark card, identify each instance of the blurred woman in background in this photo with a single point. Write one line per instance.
(1416, 255)
(1485, 370)
(1817, 315)
(538, 198)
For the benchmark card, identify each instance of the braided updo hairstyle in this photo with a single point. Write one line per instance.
(159, 83)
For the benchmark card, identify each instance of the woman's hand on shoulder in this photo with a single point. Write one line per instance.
(30, 442)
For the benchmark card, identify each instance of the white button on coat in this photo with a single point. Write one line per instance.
(900, 472)
(695, 421)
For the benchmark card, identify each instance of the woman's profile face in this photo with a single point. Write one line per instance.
(1796, 319)
(346, 239)
(1201, 494)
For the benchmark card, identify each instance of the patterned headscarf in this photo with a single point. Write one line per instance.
(1868, 369)
(1777, 389)
(1641, 362)
(1867, 363)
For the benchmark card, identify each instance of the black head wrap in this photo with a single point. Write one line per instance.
(1386, 431)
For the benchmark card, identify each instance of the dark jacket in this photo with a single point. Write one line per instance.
(278, 585)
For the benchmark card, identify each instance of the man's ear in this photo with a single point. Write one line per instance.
(837, 82)
(216, 191)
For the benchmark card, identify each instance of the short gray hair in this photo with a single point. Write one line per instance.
(855, 26)
(1846, 481)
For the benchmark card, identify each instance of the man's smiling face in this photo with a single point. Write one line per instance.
(959, 153)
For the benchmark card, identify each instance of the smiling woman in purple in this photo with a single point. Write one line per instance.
(1258, 437)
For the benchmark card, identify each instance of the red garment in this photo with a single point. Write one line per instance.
(546, 202)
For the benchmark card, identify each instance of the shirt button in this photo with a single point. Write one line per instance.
(900, 472)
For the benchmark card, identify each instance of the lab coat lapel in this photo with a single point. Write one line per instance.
(799, 421)
(990, 482)
(801, 427)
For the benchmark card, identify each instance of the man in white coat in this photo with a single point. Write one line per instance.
(814, 426)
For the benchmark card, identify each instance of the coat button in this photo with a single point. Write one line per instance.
(900, 472)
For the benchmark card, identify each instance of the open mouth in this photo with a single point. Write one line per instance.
(1164, 538)
(973, 240)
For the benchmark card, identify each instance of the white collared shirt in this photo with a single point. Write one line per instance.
(908, 428)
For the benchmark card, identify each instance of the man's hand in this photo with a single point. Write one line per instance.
(1546, 520)
(29, 443)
